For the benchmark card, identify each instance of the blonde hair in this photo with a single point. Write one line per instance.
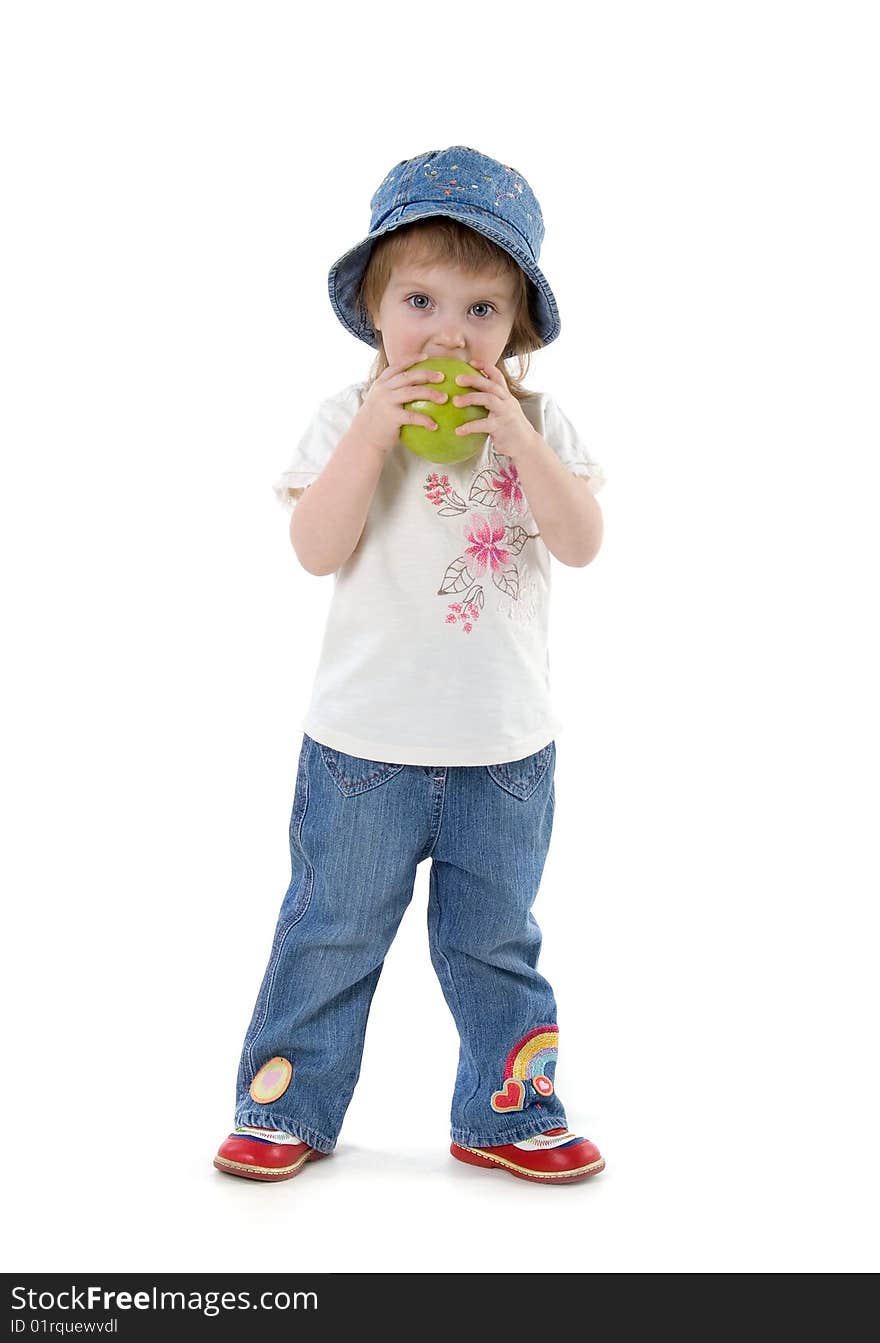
(445, 240)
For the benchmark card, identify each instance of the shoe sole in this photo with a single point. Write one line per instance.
(267, 1173)
(474, 1157)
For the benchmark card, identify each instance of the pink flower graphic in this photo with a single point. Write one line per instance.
(506, 482)
(466, 614)
(437, 487)
(484, 535)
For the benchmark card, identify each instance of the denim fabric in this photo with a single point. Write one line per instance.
(358, 830)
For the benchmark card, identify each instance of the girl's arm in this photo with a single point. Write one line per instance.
(327, 522)
(562, 504)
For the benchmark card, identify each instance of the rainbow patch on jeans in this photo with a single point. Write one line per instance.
(526, 1066)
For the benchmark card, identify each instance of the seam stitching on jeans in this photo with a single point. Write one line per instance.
(433, 889)
(308, 881)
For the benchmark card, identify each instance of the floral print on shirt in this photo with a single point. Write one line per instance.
(494, 537)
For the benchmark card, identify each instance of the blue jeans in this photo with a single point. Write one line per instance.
(358, 830)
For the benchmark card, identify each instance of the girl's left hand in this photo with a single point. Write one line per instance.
(511, 432)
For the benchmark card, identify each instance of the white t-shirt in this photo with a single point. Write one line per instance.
(435, 647)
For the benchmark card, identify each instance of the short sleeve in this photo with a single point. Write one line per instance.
(329, 423)
(569, 447)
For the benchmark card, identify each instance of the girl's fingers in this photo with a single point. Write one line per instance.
(470, 399)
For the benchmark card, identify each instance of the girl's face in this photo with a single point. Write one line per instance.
(433, 311)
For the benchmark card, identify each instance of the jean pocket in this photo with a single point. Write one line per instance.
(521, 777)
(352, 774)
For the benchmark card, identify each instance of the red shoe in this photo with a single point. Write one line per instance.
(263, 1154)
(554, 1157)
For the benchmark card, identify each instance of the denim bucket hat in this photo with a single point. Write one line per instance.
(462, 184)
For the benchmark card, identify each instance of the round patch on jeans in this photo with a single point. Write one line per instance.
(271, 1081)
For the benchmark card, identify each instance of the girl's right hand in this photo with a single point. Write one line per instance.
(382, 415)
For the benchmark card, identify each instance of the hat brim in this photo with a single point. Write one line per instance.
(345, 274)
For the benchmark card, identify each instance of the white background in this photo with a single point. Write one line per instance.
(179, 178)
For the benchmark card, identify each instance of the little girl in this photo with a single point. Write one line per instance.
(430, 732)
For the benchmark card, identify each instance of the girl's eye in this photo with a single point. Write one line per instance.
(421, 306)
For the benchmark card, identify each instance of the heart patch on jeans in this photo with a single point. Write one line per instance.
(511, 1098)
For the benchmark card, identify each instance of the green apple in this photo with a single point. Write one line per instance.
(443, 444)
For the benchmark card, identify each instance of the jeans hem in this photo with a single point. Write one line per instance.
(525, 1130)
(312, 1137)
